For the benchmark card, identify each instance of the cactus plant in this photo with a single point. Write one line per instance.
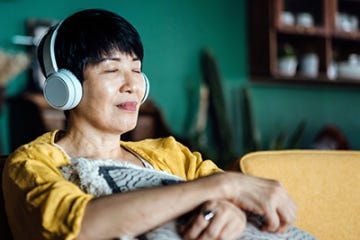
(223, 138)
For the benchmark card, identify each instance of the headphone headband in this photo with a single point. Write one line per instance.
(50, 64)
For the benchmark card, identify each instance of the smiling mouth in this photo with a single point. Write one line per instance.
(128, 106)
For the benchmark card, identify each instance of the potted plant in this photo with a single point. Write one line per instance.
(287, 60)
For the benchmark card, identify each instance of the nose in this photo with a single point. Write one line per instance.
(133, 83)
(128, 86)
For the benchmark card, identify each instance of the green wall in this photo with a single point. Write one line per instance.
(174, 32)
(283, 107)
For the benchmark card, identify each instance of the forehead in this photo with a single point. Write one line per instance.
(120, 54)
(115, 55)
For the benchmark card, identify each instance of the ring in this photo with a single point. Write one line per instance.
(208, 214)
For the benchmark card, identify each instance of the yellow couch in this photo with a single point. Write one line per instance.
(324, 184)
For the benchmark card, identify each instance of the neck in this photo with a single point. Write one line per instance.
(91, 144)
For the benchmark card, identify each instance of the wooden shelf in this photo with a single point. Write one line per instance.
(299, 30)
(299, 80)
(267, 36)
(352, 36)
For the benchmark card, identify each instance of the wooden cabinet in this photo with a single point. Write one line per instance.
(327, 29)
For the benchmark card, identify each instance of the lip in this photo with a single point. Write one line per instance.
(128, 106)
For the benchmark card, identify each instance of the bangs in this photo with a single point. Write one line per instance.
(103, 41)
(92, 38)
(98, 48)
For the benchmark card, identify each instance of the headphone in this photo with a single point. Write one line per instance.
(62, 89)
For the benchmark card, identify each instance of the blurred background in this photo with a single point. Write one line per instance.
(197, 58)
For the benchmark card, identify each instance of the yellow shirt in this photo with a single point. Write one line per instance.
(41, 204)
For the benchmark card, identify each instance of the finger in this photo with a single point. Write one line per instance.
(198, 225)
(215, 228)
(221, 228)
(211, 231)
(287, 218)
(272, 221)
(233, 229)
(283, 228)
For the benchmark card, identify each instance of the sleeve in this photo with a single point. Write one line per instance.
(40, 203)
(172, 156)
(193, 165)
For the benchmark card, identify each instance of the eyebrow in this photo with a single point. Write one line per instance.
(117, 59)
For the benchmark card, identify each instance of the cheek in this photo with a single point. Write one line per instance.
(109, 88)
(98, 90)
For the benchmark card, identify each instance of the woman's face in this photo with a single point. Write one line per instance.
(112, 93)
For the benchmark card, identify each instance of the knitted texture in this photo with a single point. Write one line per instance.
(104, 177)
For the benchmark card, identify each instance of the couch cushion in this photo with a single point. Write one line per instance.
(324, 184)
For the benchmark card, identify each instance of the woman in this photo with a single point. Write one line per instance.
(93, 64)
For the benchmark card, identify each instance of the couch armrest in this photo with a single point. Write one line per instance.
(324, 184)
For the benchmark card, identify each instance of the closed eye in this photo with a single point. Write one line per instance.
(111, 70)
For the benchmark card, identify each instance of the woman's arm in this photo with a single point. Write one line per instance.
(133, 213)
(136, 212)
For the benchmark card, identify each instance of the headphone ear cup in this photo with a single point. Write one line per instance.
(147, 88)
(62, 90)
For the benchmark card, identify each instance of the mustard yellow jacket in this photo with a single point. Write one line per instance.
(41, 204)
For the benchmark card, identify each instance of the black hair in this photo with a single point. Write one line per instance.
(89, 35)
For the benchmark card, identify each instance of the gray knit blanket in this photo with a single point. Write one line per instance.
(105, 177)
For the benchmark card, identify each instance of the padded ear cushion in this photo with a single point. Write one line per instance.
(147, 88)
(62, 90)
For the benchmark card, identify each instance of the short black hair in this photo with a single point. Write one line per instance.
(89, 35)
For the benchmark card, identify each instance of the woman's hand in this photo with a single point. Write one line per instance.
(263, 197)
(228, 222)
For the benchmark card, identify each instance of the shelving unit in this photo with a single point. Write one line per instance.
(268, 32)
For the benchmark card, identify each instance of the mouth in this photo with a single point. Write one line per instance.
(128, 106)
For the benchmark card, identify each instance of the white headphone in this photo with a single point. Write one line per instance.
(62, 90)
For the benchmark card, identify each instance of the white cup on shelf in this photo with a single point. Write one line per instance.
(287, 66)
(304, 19)
(287, 18)
(346, 22)
(332, 71)
(309, 65)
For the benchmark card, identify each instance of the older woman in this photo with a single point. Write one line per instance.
(83, 183)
